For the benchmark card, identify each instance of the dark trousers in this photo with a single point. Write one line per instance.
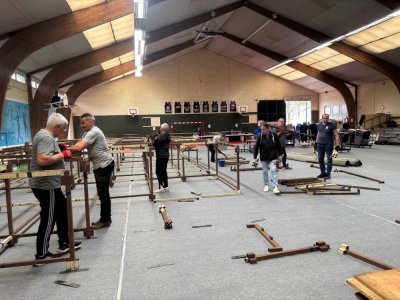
(161, 171)
(102, 176)
(283, 151)
(211, 148)
(53, 211)
(322, 150)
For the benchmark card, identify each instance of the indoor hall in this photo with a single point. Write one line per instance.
(210, 75)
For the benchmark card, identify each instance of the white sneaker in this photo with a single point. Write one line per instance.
(266, 188)
(162, 190)
(276, 190)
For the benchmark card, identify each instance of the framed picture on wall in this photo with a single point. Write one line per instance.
(327, 110)
(335, 110)
(224, 106)
(214, 106)
(178, 107)
(343, 110)
(168, 107)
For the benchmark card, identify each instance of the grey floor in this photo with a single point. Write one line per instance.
(136, 258)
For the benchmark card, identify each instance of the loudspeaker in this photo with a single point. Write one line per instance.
(271, 110)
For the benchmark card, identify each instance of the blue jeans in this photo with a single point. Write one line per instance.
(322, 150)
(270, 165)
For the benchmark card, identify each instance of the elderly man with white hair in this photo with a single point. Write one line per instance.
(47, 154)
(161, 143)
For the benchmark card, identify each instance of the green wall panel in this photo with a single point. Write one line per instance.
(119, 125)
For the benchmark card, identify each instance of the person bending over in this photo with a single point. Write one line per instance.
(213, 144)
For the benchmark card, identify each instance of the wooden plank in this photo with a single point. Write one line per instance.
(46, 173)
(363, 289)
(378, 285)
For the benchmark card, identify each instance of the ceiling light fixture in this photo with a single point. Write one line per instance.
(337, 39)
(140, 12)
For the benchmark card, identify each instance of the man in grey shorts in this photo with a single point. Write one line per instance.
(103, 165)
(47, 155)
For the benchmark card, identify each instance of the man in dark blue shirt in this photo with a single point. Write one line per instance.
(327, 132)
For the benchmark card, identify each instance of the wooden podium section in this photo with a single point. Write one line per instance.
(380, 285)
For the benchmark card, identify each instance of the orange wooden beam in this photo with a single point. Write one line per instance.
(66, 69)
(30, 39)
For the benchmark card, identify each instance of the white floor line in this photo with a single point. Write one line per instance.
(124, 234)
(367, 213)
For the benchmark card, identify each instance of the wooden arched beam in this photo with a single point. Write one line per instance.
(87, 82)
(90, 81)
(64, 70)
(37, 36)
(333, 81)
(389, 70)
(46, 90)
(392, 4)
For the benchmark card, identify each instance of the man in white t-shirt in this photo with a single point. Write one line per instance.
(103, 165)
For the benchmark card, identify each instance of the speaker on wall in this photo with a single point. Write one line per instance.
(271, 110)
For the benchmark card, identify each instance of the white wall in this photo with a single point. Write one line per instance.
(374, 95)
(200, 75)
(370, 98)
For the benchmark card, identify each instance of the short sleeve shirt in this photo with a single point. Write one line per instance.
(98, 148)
(44, 142)
(325, 133)
(282, 136)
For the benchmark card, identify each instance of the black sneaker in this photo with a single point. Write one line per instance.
(322, 175)
(64, 247)
(47, 256)
(328, 176)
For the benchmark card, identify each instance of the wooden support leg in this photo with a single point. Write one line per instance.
(276, 247)
(318, 246)
(167, 221)
(344, 249)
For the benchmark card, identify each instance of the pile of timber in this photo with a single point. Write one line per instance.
(324, 188)
(316, 186)
(232, 160)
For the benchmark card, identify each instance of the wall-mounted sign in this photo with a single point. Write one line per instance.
(168, 107)
(206, 107)
(178, 107)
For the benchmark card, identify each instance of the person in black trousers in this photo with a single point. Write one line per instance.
(161, 143)
(103, 165)
(47, 154)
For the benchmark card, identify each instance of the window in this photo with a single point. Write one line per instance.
(20, 78)
(34, 84)
(298, 112)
